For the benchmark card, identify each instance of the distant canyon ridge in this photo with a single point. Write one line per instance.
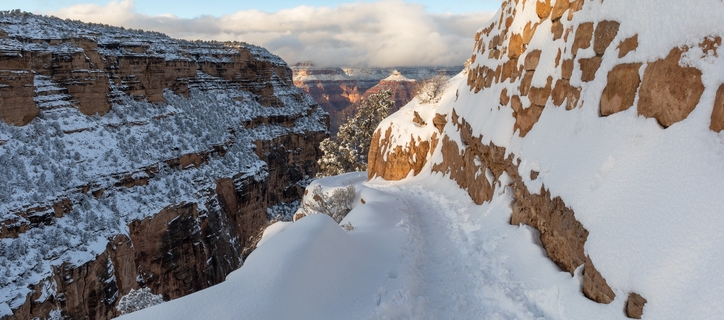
(340, 90)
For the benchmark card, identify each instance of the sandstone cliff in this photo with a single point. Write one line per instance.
(558, 95)
(130, 159)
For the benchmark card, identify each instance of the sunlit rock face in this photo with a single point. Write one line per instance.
(130, 159)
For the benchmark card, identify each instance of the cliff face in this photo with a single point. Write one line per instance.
(402, 88)
(131, 159)
(339, 90)
(332, 89)
(554, 87)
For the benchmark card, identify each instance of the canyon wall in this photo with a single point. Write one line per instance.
(132, 160)
(553, 81)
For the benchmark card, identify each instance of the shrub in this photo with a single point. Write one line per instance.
(337, 205)
(138, 300)
(430, 90)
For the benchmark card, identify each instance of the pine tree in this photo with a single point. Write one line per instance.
(349, 152)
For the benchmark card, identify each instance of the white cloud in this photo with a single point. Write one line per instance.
(380, 34)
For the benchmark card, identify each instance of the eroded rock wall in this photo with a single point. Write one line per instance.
(155, 162)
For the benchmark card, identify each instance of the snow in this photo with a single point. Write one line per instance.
(336, 273)
(63, 151)
(332, 75)
(421, 249)
(273, 230)
(650, 198)
(415, 73)
(308, 73)
(397, 76)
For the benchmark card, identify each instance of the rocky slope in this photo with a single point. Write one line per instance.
(561, 94)
(130, 159)
(339, 90)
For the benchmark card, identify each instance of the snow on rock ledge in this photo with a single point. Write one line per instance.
(603, 118)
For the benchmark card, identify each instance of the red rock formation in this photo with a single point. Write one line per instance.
(472, 165)
(582, 40)
(627, 45)
(402, 161)
(635, 306)
(332, 89)
(717, 115)
(403, 89)
(16, 97)
(620, 91)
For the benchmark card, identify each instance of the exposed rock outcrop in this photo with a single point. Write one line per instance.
(16, 97)
(620, 91)
(479, 168)
(331, 88)
(137, 160)
(635, 306)
(669, 92)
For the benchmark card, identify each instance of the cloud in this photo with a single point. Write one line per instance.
(386, 33)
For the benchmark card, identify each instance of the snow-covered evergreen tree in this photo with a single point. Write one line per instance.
(349, 152)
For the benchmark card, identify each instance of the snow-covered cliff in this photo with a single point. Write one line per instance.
(129, 159)
(601, 121)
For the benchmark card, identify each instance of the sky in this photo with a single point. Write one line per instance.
(385, 33)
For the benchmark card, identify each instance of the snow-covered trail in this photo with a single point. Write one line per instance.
(438, 284)
(465, 261)
(447, 283)
(451, 276)
(420, 249)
